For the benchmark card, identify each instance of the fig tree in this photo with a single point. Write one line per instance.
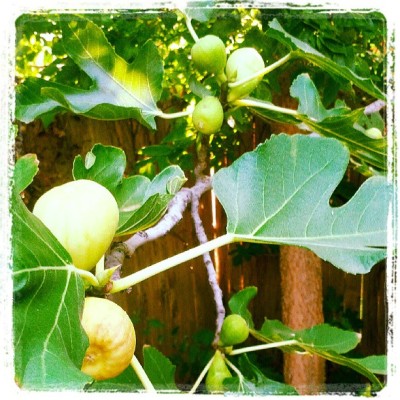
(234, 330)
(242, 64)
(217, 373)
(208, 54)
(208, 115)
(112, 338)
(83, 215)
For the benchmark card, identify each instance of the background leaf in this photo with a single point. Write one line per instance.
(159, 369)
(119, 90)
(25, 170)
(304, 50)
(239, 302)
(266, 196)
(142, 202)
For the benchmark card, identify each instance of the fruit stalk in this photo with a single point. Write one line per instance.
(262, 72)
(141, 374)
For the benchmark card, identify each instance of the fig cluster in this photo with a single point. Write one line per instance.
(242, 69)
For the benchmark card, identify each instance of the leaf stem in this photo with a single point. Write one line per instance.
(263, 347)
(248, 102)
(201, 376)
(262, 72)
(140, 372)
(136, 277)
(189, 26)
(179, 114)
(238, 373)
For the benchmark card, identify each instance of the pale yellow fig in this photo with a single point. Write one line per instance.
(112, 338)
(83, 215)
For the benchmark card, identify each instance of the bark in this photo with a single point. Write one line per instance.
(301, 283)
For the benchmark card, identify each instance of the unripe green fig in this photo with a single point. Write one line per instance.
(241, 64)
(83, 215)
(209, 54)
(373, 133)
(234, 330)
(217, 373)
(208, 115)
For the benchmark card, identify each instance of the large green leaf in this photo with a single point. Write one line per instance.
(142, 202)
(304, 50)
(119, 90)
(280, 192)
(49, 342)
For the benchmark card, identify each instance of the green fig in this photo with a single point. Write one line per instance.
(217, 373)
(209, 54)
(208, 115)
(241, 64)
(234, 330)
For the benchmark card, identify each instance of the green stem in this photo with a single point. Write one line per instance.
(262, 72)
(247, 102)
(133, 279)
(201, 376)
(190, 27)
(263, 347)
(179, 114)
(100, 267)
(238, 373)
(140, 372)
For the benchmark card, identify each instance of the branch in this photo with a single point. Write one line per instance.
(374, 107)
(212, 276)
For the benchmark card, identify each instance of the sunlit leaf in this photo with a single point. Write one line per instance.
(266, 195)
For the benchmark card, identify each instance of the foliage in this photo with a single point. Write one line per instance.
(136, 65)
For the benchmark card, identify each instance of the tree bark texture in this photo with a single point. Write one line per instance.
(301, 283)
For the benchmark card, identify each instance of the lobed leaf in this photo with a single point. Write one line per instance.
(119, 90)
(280, 192)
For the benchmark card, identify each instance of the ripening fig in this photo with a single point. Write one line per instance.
(112, 338)
(241, 64)
(217, 373)
(208, 54)
(234, 330)
(208, 115)
(83, 215)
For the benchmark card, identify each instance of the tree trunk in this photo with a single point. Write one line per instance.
(301, 282)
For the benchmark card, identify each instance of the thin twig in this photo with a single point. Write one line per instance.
(374, 107)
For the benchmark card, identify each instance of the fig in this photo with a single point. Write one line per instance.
(208, 54)
(217, 373)
(234, 330)
(83, 215)
(208, 115)
(112, 338)
(242, 64)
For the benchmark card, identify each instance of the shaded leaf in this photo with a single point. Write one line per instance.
(329, 338)
(239, 302)
(304, 50)
(159, 369)
(280, 193)
(25, 170)
(310, 104)
(375, 364)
